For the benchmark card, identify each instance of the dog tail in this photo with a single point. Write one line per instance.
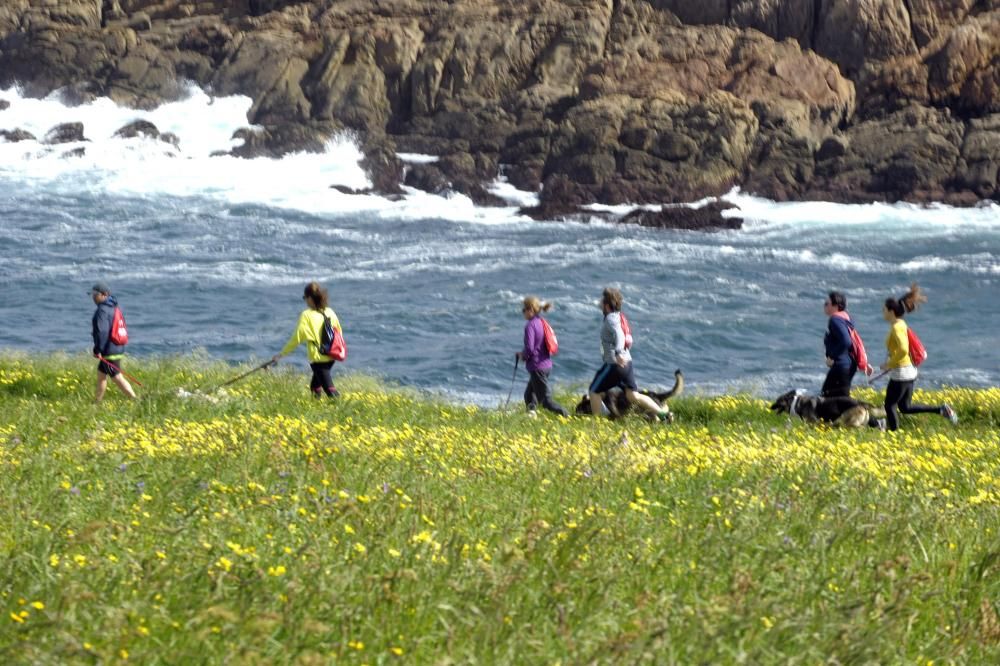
(675, 391)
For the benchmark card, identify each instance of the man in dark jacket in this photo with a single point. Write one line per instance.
(838, 345)
(108, 352)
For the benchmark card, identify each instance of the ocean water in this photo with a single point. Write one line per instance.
(211, 253)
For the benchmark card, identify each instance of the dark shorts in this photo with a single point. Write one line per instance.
(104, 367)
(611, 375)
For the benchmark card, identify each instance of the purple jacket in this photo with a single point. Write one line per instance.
(535, 354)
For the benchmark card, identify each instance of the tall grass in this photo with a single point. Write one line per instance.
(261, 526)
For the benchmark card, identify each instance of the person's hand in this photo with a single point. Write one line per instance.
(829, 362)
(620, 360)
(869, 370)
(519, 356)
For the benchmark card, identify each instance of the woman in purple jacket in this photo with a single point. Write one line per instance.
(537, 360)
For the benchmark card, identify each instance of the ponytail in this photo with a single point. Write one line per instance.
(909, 302)
(319, 296)
(533, 305)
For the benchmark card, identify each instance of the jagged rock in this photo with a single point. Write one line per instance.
(65, 133)
(138, 128)
(4, 105)
(76, 152)
(706, 218)
(427, 177)
(560, 198)
(171, 138)
(278, 140)
(383, 167)
(15, 135)
(140, 21)
(624, 101)
(979, 165)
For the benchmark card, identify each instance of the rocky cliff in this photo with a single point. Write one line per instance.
(596, 100)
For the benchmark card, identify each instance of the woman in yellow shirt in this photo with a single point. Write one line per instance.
(310, 331)
(902, 372)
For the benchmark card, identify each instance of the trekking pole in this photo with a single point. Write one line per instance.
(245, 374)
(872, 380)
(512, 380)
(115, 367)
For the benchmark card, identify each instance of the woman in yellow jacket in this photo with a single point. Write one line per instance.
(902, 372)
(310, 331)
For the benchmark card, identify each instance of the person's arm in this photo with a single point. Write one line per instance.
(299, 335)
(838, 341)
(616, 328)
(102, 331)
(530, 352)
(897, 348)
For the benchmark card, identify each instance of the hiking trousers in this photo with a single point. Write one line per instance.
(322, 381)
(539, 390)
(838, 382)
(899, 394)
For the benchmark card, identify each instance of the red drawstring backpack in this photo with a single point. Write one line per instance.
(331, 342)
(551, 341)
(918, 353)
(119, 332)
(626, 330)
(858, 352)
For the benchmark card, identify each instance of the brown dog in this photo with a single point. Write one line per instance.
(618, 405)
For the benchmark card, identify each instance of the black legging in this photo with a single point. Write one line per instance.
(900, 393)
(538, 390)
(321, 379)
(838, 382)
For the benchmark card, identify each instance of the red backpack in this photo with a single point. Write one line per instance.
(918, 353)
(551, 341)
(119, 332)
(626, 330)
(858, 352)
(332, 343)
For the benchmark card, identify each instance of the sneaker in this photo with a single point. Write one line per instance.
(949, 414)
(665, 417)
(880, 424)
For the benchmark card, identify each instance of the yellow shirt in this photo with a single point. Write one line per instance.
(898, 345)
(310, 331)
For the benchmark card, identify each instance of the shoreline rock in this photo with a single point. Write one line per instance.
(598, 102)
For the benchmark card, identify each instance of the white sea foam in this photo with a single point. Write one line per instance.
(205, 125)
(417, 158)
(763, 214)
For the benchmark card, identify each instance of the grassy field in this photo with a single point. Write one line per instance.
(389, 528)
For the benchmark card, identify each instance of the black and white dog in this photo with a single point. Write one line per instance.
(839, 411)
(618, 405)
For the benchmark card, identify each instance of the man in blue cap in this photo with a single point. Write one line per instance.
(109, 354)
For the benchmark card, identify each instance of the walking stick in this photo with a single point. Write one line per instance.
(512, 380)
(872, 380)
(245, 374)
(115, 367)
